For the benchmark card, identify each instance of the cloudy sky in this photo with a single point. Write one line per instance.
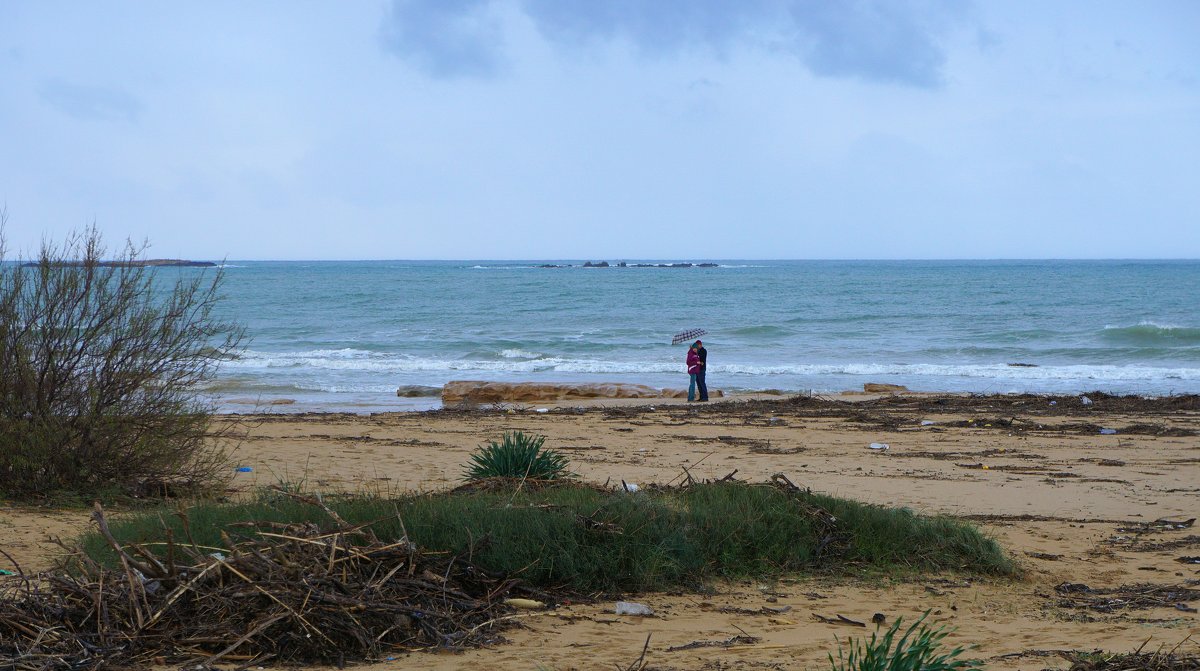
(653, 129)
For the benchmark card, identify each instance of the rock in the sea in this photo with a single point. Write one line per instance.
(417, 391)
(473, 391)
(682, 393)
(880, 388)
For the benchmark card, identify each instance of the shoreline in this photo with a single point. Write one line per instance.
(419, 404)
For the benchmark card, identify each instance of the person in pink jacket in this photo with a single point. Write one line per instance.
(693, 367)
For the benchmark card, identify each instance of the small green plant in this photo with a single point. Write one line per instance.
(517, 456)
(919, 649)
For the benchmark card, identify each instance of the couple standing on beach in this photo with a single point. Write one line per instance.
(697, 364)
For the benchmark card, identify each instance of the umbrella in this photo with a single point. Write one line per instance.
(690, 334)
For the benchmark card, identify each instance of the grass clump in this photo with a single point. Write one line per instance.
(591, 540)
(517, 456)
(920, 648)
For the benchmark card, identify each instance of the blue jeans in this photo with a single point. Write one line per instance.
(692, 387)
(701, 384)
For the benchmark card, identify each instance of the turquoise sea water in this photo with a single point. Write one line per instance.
(346, 335)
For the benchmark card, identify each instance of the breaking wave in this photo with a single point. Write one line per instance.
(1150, 334)
(523, 362)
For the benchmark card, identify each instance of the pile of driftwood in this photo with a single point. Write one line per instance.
(1175, 659)
(1111, 600)
(284, 593)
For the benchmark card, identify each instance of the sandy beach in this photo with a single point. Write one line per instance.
(1070, 503)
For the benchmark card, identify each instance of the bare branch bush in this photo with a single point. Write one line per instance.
(101, 366)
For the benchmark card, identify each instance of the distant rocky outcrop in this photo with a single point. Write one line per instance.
(478, 391)
(624, 264)
(141, 263)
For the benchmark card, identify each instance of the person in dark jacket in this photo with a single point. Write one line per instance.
(701, 384)
(693, 365)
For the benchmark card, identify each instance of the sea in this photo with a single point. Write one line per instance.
(347, 336)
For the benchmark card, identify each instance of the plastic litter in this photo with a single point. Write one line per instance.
(1107, 432)
(6, 572)
(633, 608)
(879, 446)
(542, 410)
(244, 469)
(629, 486)
(927, 422)
(1085, 400)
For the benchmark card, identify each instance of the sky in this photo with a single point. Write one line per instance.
(605, 129)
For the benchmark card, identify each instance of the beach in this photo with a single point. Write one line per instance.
(1070, 489)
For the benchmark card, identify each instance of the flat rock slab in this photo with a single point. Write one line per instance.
(880, 388)
(477, 391)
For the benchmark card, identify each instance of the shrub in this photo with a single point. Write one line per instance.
(517, 456)
(919, 649)
(100, 362)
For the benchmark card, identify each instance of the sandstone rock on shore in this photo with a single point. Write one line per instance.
(477, 391)
(880, 388)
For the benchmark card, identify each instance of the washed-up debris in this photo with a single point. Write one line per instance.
(633, 608)
(1135, 597)
(526, 604)
(882, 447)
(1137, 543)
(764, 610)
(1110, 462)
(286, 593)
(1043, 555)
(1163, 660)
(740, 639)
(1161, 524)
(1108, 432)
(840, 619)
(1188, 560)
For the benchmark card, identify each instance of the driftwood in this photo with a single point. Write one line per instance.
(839, 619)
(285, 593)
(1173, 659)
(1135, 597)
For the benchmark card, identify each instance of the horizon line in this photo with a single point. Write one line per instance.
(611, 262)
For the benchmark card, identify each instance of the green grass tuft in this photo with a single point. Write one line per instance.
(919, 649)
(518, 456)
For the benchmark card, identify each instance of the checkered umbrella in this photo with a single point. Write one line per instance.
(690, 334)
